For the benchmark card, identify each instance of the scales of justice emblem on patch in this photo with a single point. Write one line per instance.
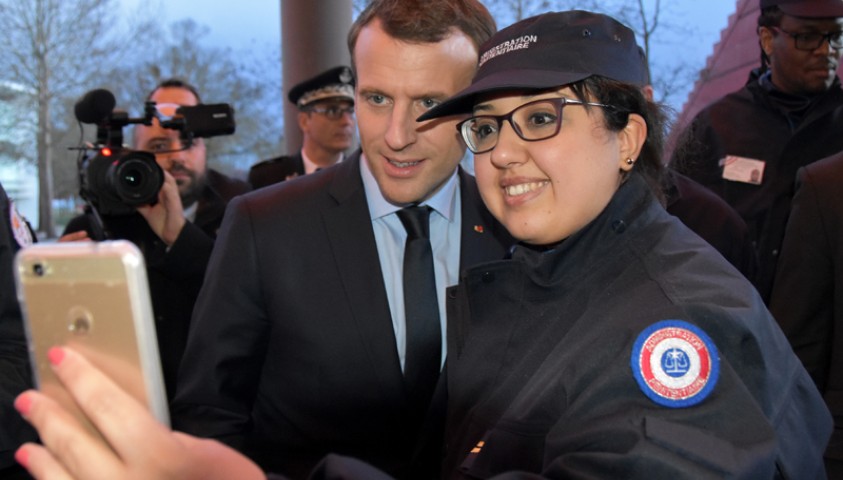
(675, 363)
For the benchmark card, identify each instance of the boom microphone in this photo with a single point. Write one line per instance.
(94, 106)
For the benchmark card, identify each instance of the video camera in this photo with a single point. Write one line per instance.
(113, 179)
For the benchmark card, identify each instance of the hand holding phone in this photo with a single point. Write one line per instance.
(93, 297)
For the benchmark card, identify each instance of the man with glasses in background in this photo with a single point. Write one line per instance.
(176, 235)
(747, 146)
(326, 119)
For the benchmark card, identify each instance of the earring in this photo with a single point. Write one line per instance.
(629, 161)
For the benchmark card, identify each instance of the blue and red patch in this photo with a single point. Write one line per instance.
(675, 363)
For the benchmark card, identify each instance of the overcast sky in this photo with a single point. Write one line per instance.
(249, 23)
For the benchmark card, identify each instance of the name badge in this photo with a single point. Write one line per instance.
(741, 169)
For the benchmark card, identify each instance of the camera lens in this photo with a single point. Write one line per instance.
(117, 184)
(132, 177)
(38, 270)
(137, 178)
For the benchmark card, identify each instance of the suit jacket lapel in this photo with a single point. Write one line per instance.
(354, 249)
(483, 239)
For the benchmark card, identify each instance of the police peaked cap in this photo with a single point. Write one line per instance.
(337, 82)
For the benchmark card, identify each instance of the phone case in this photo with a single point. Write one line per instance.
(93, 297)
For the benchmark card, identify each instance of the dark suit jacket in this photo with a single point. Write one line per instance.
(175, 275)
(292, 353)
(276, 170)
(710, 217)
(807, 298)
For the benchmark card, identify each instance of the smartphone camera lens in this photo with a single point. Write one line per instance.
(80, 321)
(80, 325)
(38, 270)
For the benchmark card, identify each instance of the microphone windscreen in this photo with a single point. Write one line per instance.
(94, 106)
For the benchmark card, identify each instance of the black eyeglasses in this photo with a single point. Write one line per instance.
(334, 112)
(814, 40)
(533, 121)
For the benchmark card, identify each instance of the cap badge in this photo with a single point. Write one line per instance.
(675, 363)
(520, 43)
(345, 75)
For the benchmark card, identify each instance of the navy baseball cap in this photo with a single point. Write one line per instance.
(550, 50)
(807, 8)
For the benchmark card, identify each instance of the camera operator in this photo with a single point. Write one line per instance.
(176, 234)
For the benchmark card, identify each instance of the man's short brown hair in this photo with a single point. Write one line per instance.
(426, 21)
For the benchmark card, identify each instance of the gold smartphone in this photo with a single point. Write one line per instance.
(93, 297)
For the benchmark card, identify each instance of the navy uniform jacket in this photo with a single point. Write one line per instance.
(748, 124)
(542, 362)
(292, 352)
(276, 170)
(15, 374)
(175, 275)
(543, 354)
(807, 297)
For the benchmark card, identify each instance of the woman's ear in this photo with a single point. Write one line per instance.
(631, 141)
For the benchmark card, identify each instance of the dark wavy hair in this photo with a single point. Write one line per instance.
(626, 99)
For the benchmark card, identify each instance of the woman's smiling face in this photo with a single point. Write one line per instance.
(544, 191)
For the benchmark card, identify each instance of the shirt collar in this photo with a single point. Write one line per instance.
(442, 201)
(310, 167)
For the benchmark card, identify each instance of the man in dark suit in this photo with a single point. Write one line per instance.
(326, 119)
(300, 344)
(176, 235)
(807, 298)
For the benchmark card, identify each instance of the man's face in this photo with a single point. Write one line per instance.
(186, 166)
(397, 82)
(332, 135)
(801, 72)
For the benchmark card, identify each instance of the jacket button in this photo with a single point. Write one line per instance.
(488, 277)
(619, 226)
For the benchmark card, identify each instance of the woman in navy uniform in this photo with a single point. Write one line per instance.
(615, 343)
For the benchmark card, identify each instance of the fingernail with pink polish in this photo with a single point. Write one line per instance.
(22, 457)
(22, 404)
(55, 355)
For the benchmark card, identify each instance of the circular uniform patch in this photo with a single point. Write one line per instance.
(675, 363)
(20, 229)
